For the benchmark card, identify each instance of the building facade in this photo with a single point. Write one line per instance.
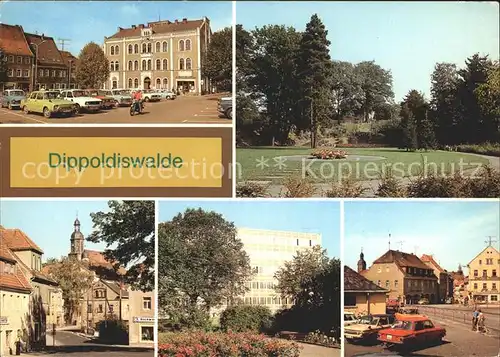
(19, 57)
(484, 281)
(268, 251)
(445, 281)
(362, 296)
(71, 63)
(159, 55)
(141, 318)
(404, 276)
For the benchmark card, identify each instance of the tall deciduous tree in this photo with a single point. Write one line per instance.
(314, 73)
(201, 263)
(128, 232)
(376, 84)
(347, 92)
(74, 280)
(93, 66)
(244, 54)
(218, 60)
(488, 97)
(3, 67)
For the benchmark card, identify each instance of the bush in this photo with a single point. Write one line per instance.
(244, 318)
(251, 190)
(325, 154)
(199, 344)
(297, 187)
(390, 186)
(345, 188)
(318, 338)
(113, 331)
(491, 149)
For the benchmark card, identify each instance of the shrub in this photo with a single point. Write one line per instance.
(391, 186)
(297, 187)
(318, 338)
(199, 344)
(243, 318)
(345, 188)
(251, 189)
(491, 149)
(113, 331)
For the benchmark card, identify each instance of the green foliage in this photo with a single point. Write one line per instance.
(418, 132)
(390, 186)
(218, 59)
(347, 92)
(74, 280)
(93, 66)
(491, 149)
(345, 188)
(251, 190)
(202, 263)
(246, 318)
(113, 331)
(128, 232)
(3, 67)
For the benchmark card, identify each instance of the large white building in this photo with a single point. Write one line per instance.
(268, 251)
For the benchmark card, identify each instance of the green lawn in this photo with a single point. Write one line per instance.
(402, 164)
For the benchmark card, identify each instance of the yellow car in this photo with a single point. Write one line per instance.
(48, 104)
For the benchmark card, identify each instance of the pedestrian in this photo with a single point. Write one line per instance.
(480, 321)
(475, 316)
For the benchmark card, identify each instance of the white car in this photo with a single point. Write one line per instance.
(149, 95)
(349, 318)
(167, 94)
(82, 101)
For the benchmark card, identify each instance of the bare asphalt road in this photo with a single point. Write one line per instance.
(460, 341)
(183, 110)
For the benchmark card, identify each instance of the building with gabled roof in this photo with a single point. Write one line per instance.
(362, 296)
(405, 276)
(484, 278)
(445, 280)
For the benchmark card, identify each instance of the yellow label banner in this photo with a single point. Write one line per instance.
(64, 162)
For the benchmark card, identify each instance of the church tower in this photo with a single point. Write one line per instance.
(361, 262)
(77, 240)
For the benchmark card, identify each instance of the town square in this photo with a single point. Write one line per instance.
(179, 69)
(74, 280)
(430, 263)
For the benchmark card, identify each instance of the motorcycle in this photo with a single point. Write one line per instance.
(136, 109)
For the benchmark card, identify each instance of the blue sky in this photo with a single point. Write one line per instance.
(406, 37)
(85, 21)
(454, 232)
(50, 223)
(298, 216)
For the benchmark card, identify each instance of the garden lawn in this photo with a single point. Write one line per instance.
(400, 162)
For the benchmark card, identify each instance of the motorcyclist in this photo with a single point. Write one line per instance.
(138, 100)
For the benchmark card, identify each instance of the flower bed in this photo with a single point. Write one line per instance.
(325, 154)
(201, 344)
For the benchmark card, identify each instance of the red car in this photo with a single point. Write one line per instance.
(107, 101)
(411, 331)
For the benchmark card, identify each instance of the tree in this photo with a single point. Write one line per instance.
(74, 280)
(128, 232)
(408, 128)
(218, 59)
(417, 128)
(376, 84)
(93, 66)
(314, 74)
(201, 264)
(3, 67)
(244, 63)
(347, 92)
(488, 97)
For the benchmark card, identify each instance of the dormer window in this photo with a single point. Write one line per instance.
(6, 268)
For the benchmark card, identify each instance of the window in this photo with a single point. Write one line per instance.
(493, 286)
(19, 59)
(396, 284)
(158, 83)
(476, 273)
(165, 83)
(158, 47)
(117, 50)
(188, 63)
(89, 307)
(39, 96)
(114, 83)
(146, 303)
(143, 68)
(158, 64)
(53, 73)
(349, 300)
(149, 48)
(387, 284)
(428, 324)
(493, 297)
(26, 73)
(485, 286)
(112, 50)
(112, 66)
(130, 49)
(18, 73)
(130, 83)
(130, 65)
(181, 45)
(494, 273)
(149, 65)
(99, 309)
(136, 83)
(11, 59)
(165, 65)
(111, 308)
(147, 333)
(27, 60)
(475, 286)
(485, 274)
(480, 262)
(188, 45)
(165, 46)
(10, 72)
(117, 66)
(144, 48)
(489, 261)
(136, 65)
(136, 48)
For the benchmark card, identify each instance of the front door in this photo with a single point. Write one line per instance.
(147, 83)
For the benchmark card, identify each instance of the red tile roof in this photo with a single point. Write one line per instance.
(401, 259)
(159, 27)
(48, 53)
(430, 259)
(13, 41)
(98, 259)
(355, 282)
(67, 56)
(16, 281)
(16, 240)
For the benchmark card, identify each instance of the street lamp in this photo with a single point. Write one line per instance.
(69, 76)
(35, 76)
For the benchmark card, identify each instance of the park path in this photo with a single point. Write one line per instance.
(371, 186)
(318, 351)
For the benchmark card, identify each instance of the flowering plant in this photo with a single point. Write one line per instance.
(325, 154)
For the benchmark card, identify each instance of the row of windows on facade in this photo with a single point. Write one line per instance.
(410, 270)
(146, 305)
(134, 83)
(183, 45)
(485, 273)
(489, 261)
(264, 285)
(41, 73)
(27, 60)
(263, 300)
(184, 64)
(485, 286)
(409, 284)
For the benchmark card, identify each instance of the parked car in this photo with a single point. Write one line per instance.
(392, 306)
(47, 103)
(107, 102)
(150, 95)
(423, 301)
(408, 310)
(11, 98)
(122, 96)
(367, 327)
(349, 318)
(411, 331)
(83, 102)
(225, 107)
(167, 94)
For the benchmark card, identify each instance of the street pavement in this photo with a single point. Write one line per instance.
(183, 110)
(74, 345)
(460, 341)
(318, 351)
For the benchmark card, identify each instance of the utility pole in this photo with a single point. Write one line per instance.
(490, 241)
(389, 241)
(62, 42)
